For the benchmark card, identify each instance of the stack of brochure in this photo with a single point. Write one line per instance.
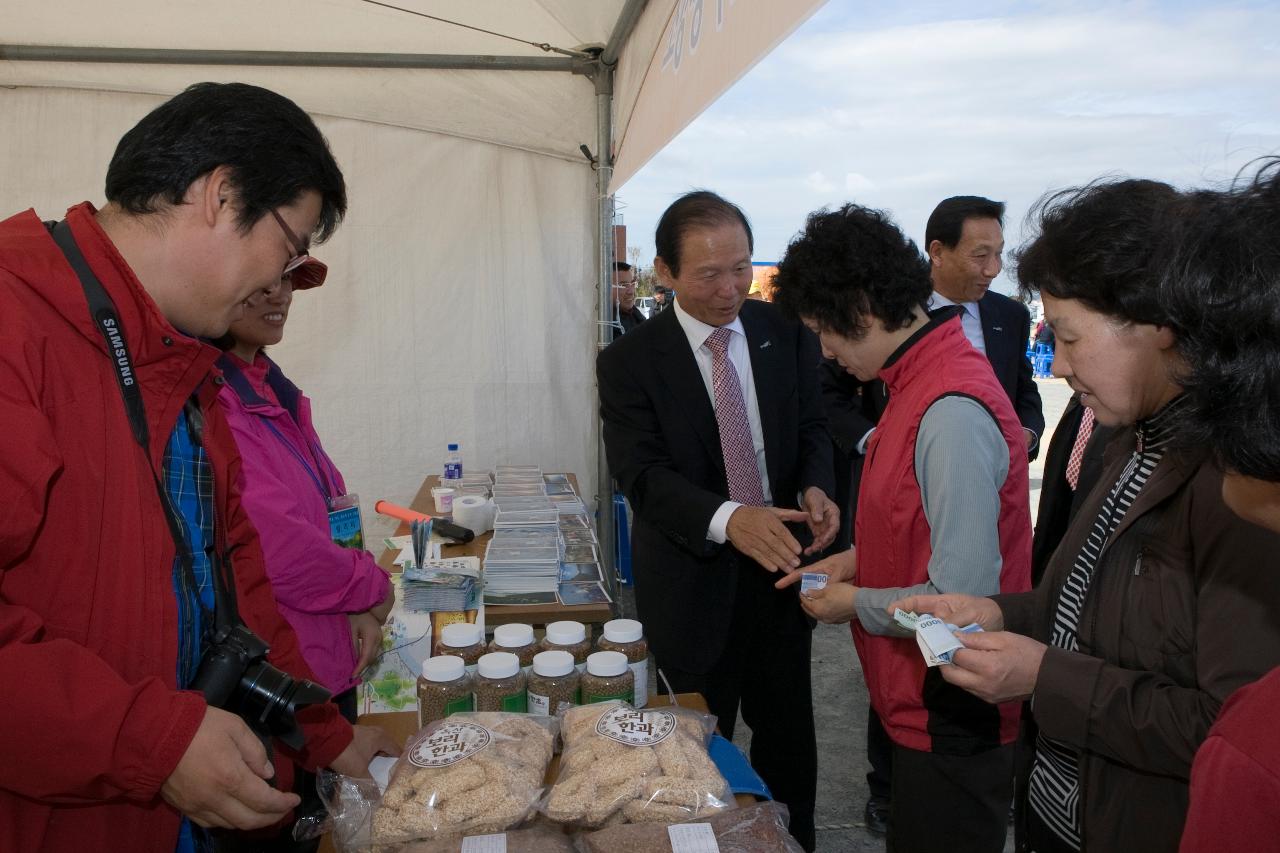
(580, 580)
(438, 585)
(521, 565)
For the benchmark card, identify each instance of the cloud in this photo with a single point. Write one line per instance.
(1006, 103)
(819, 183)
(857, 183)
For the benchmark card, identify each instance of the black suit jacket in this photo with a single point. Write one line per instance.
(663, 447)
(1058, 503)
(1006, 328)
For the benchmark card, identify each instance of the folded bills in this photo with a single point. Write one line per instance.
(936, 638)
(812, 580)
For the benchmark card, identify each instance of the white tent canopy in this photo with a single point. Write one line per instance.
(462, 299)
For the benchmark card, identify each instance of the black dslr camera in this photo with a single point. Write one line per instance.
(234, 675)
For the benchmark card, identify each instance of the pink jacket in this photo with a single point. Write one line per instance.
(284, 482)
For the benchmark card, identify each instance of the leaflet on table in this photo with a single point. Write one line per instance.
(407, 640)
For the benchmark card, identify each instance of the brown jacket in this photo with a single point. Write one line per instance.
(1180, 613)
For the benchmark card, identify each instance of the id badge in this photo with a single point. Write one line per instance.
(345, 526)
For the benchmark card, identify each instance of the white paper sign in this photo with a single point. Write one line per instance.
(692, 838)
(485, 843)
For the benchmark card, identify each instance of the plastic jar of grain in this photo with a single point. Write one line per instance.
(608, 677)
(570, 637)
(627, 636)
(464, 639)
(553, 684)
(444, 688)
(517, 639)
(500, 685)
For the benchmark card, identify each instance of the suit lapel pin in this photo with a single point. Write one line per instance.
(766, 344)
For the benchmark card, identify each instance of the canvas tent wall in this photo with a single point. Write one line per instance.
(464, 291)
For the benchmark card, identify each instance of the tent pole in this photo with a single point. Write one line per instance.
(603, 80)
(284, 58)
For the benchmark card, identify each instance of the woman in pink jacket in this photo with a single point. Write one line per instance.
(335, 597)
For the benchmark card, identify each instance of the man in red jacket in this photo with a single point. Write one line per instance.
(110, 553)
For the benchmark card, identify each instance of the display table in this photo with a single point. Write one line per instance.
(403, 725)
(499, 614)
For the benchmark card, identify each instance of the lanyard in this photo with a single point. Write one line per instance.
(293, 451)
(103, 312)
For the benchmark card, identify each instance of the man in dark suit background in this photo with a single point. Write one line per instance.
(627, 315)
(1071, 469)
(714, 429)
(965, 241)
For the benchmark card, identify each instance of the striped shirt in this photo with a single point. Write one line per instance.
(1054, 790)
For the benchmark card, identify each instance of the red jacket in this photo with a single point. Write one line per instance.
(93, 723)
(1235, 781)
(893, 543)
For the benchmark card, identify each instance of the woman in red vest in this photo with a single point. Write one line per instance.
(943, 507)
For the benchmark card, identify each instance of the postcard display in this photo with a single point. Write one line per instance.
(543, 551)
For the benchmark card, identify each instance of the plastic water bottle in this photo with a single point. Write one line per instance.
(452, 465)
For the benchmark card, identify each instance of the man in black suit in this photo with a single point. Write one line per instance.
(714, 429)
(626, 314)
(1071, 469)
(965, 241)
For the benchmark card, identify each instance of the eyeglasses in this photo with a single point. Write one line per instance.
(625, 285)
(301, 254)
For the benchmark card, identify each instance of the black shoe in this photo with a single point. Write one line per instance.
(876, 815)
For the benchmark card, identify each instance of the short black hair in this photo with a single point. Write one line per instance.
(697, 209)
(849, 264)
(621, 266)
(1221, 283)
(946, 223)
(1098, 244)
(273, 149)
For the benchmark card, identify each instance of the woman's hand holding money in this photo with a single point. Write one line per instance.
(954, 607)
(996, 666)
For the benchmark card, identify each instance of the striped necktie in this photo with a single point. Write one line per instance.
(1077, 449)
(731, 419)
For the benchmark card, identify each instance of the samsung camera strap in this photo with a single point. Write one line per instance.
(107, 320)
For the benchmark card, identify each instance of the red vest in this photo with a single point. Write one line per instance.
(893, 543)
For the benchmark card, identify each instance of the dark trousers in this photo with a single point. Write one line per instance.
(764, 670)
(950, 802)
(879, 756)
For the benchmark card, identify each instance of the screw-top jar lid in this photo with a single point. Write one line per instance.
(444, 668)
(498, 665)
(606, 664)
(566, 633)
(553, 663)
(623, 630)
(513, 636)
(459, 635)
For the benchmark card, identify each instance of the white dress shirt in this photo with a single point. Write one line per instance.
(740, 356)
(970, 320)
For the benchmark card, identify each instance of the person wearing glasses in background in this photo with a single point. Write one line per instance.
(626, 314)
(332, 592)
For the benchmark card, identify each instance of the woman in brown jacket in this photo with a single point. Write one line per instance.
(1151, 611)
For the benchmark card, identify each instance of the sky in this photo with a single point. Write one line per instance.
(897, 106)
